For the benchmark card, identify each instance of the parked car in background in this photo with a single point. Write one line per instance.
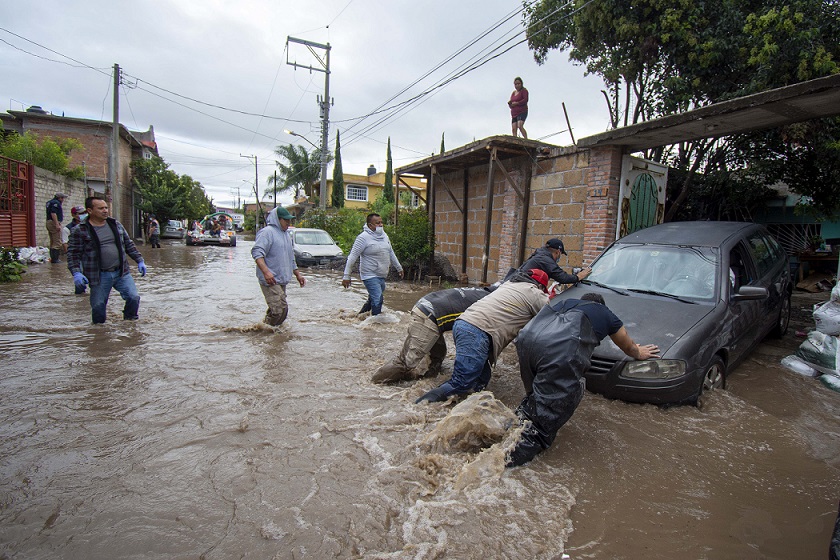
(705, 292)
(173, 229)
(314, 247)
(213, 229)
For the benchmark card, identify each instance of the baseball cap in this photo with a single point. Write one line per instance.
(283, 213)
(77, 210)
(555, 243)
(540, 276)
(60, 195)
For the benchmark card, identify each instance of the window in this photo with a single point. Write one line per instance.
(761, 253)
(415, 200)
(356, 192)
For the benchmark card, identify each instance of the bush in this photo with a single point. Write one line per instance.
(10, 267)
(412, 239)
(343, 224)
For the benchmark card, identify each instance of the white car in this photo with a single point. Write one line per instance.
(173, 229)
(314, 247)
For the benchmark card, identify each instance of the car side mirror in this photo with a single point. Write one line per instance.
(746, 293)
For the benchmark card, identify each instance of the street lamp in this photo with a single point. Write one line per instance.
(301, 136)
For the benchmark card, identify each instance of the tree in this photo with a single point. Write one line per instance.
(658, 58)
(46, 153)
(388, 190)
(338, 176)
(301, 170)
(442, 147)
(166, 194)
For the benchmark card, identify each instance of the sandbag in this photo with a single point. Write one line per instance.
(827, 315)
(820, 351)
(798, 365)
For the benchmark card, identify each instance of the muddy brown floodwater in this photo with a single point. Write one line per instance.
(197, 433)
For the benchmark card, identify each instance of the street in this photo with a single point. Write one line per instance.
(197, 432)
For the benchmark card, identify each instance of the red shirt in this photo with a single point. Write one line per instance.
(519, 96)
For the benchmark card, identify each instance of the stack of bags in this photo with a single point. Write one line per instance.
(819, 355)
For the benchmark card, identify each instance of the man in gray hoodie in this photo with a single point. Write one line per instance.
(372, 249)
(275, 257)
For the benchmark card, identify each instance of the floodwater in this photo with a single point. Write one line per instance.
(196, 432)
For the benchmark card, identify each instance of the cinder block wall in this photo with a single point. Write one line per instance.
(47, 184)
(574, 196)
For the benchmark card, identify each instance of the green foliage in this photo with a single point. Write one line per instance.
(343, 224)
(166, 194)
(388, 190)
(811, 165)
(10, 267)
(45, 153)
(442, 145)
(658, 58)
(338, 176)
(301, 170)
(412, 239)
(384, 208)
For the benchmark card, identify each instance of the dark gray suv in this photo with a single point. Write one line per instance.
(705, 292)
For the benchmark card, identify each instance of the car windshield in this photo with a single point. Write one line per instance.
(686, 272)
(313, 238)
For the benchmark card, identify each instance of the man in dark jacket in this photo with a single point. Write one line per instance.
(55, 215)
(96, 255)
(545, 258)
(431, 316)
(554, 350)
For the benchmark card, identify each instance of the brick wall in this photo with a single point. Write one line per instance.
(47, 184)
(574, 196)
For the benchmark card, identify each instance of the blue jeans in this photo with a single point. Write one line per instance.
(375, 288)
(100, 293)
(471, 373)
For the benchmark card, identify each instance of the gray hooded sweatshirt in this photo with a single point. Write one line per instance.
(275, 246)
(373, 251)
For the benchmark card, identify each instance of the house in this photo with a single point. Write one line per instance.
(360, 191)
(493, 201)
(95, 137)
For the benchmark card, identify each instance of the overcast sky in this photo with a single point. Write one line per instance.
(212, 77)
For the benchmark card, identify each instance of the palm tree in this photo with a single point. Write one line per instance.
(301, 170)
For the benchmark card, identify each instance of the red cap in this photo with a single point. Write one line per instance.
(540, 276)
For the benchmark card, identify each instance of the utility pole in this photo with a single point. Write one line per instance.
(323, 103)
(113, 160)
(275, 188)
(256, 188)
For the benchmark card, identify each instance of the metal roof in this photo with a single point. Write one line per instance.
(769, 109)
(478, 153)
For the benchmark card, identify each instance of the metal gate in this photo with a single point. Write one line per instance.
(642, 195)
(17, 201)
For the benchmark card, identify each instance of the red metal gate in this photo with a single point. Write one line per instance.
(17, 203)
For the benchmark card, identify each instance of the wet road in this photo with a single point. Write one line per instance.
(197, 433)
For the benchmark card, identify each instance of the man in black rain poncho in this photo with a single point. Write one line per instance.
(554, 350)
(545, 258)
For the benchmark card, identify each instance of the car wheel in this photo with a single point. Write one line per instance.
(784, 319)
(714, 378)
(233, 242)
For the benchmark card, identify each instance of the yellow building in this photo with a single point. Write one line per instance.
(360, 191)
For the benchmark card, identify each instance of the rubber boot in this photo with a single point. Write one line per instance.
(391, 371)
(54, 254)
(365, 308)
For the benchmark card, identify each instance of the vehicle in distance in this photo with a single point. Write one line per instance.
(213, 229)
(314, 247)
(706, 293)
(173, 229)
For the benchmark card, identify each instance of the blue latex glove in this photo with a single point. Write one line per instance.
(80, 279)
(141, 266)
